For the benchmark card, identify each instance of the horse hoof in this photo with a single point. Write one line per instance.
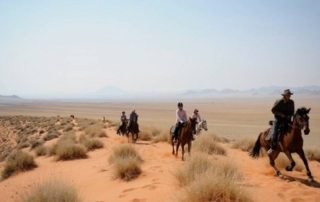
(278, 174)
(289, 168)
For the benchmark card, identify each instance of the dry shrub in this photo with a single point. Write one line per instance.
(68, 127)
(219, 190)
(313, 154)
(22, 145)
(35, 143)
(95, 130)
(218, 138)
(245, 144)
(208, 144)
(53, 191)
(126, 161)
(207, 180)
(90, 143)
(162, 137)
(41, 150)
(67, 148)
(51, 135)
(154, 134)
(18, 161)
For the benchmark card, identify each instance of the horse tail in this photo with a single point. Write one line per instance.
(256, 149)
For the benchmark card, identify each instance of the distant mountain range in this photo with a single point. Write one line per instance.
(10, 98)
(263, 91)
(112, 92)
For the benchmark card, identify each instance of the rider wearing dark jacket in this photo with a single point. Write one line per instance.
(283, 111)
(133, 119)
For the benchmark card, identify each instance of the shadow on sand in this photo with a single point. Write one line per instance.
(314, 183)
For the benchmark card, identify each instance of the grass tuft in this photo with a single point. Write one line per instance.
(53, 191)
(126, 161)
(209, 145)
(18, 161)
(205, 180)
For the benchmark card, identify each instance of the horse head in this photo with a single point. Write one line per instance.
(203, 124)
(193, 122)
(302, 119)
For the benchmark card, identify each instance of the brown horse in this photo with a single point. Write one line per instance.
(133, 128)
(290, 142)
(185, 137)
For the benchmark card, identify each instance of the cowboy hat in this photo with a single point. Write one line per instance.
(287, 92)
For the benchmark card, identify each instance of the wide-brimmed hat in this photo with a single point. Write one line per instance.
(287, 92)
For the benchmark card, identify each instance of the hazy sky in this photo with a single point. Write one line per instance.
(70, 47)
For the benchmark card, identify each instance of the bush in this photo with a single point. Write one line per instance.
(41, 150)
(214, 188)
(207, 180)
(90, 144)
(126, 161)
(53, 191)
(51, 135)
(244, 144)
(95, 130)
(208, 144)
(162, 137)
(18, 161)
(69, 151)
(68, 128)
(67, 148)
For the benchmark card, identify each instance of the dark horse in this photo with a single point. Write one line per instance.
(184, 137)
(123, 129)
(290, 142)
(133, 128)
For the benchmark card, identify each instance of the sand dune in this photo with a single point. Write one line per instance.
(93, 177)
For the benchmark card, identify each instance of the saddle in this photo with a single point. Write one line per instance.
(284, 127)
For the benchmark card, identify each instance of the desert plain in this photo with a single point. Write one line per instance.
(233, 119)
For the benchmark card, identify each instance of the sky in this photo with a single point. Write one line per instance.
(56, 48)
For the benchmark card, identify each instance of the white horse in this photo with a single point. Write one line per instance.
(201, 125)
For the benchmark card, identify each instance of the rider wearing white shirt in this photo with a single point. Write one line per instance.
(181, 117)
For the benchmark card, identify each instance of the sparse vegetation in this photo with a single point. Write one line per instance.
(18, 161)
(41, 150)
(207, 180)
(244, 144)
(51, 135)
(162, 137)
(209, 145)
(53, 191)
(126, 161)
(90, 143)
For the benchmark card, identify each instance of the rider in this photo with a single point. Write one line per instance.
(181, 118)
(123, 120)
(283, 111)
(196, 116)
(133, 118)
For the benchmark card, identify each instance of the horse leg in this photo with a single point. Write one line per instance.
(272, 163)
(293, 164)
(182, 146)
(177, 147)
(189, 147)
(304, 159)
(172, 145)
